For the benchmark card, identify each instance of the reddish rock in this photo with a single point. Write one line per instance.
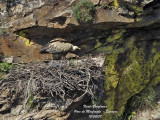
(21, 51)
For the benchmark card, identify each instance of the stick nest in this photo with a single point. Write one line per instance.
(65, 79)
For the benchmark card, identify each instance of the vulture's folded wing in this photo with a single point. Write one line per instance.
(57, 47)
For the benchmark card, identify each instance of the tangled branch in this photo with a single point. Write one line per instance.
(65, 79)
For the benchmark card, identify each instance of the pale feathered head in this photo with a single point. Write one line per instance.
(75, 48)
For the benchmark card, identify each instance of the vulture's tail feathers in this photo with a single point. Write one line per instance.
(43, 49)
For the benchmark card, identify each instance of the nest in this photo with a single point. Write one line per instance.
(65, 79)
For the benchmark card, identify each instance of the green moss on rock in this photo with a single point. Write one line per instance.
(98, 44)
(105, 49)
(22, 33)
(110, 72)
(127, 76)
(107, 46)
(155, 68)
(117, 34)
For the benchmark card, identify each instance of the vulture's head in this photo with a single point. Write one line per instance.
(75, 48)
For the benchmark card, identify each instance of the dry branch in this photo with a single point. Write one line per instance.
(65, 79)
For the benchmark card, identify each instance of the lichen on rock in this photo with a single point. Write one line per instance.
(138, 70)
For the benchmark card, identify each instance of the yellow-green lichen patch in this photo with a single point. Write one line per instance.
(98, 44)
(110, 72)
(134, 74)
(114, 4)
(137, 9)
(130, 42)
(111, 83)
(119, 50)
(22, 33)
(153, 50)
(23, 36)
(111, 75)
(155, 68)
(118, 34)
(131, 115)
(130, 83)
(153, 64)
(106, 45)
(106, 49)
(138, 19)
(28, 43)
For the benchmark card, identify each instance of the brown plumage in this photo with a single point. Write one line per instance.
(58, 47)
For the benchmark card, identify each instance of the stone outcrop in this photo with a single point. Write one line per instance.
(39, 21)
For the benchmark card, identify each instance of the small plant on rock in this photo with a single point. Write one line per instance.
(5, 67)
(84, 11)
(143, 100)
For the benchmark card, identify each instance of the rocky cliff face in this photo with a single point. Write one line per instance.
(125, 31)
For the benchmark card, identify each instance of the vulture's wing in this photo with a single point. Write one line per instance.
(57, 47)
(44, 48)
(58, 39)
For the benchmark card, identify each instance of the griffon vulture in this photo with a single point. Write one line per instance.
(59, 48)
